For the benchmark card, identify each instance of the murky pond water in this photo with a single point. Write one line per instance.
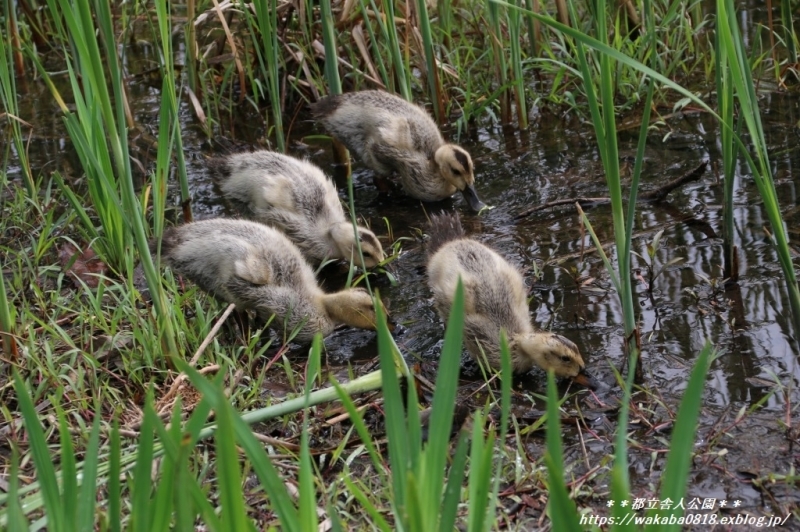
(749, 324)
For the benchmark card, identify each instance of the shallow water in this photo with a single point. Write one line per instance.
(750, 324)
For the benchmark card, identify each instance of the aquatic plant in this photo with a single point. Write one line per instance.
(732, 46)
(99, 131)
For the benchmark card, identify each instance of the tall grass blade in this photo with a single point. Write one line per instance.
(7, 320)
(69, 492)
(452, 492)
(498, 51)
(307, 506)
(481, 453)
(341, 154)
(114, 472)
(679, 459)
(434, 85)
(16, 517)
(234, 514)
(444, 399)
(562, 510)
(518, 77)
(141, 488)
(387, 80)
(281, 503)
(396, 432)
(401, 71)
(269, 59)
(8, 97)
(169, 99)
(725, 106)
(331, 56)
(42, 461)
(87, 497)
(730, 39)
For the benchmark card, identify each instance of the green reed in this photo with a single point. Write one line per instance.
(8, 97)
(725, 107)
(99, 132)
(434, 83)
(389, 31)
(7, 321)
(517, 75)
(499, 56)
(269, 60)
(387, 80)
(789, 34)
(169, 101)
(732, 44)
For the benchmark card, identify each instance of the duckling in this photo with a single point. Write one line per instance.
(297, 198)
(256, 267)
(390, 134)
(494, 299)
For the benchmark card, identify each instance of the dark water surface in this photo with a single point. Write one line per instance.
(750, 325)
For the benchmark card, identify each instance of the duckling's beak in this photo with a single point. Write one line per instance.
(471, 197)
(584, 379)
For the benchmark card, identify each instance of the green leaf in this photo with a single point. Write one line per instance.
(41, 458)
(562, 509)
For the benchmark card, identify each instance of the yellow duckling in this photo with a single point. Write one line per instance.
(296, 197)
(390, 134)
(257, 267)
(494, 299)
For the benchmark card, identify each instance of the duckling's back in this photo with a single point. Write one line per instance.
(494, 291)
(219, 254)
(360, 119)
(292, 195)
(277, 189)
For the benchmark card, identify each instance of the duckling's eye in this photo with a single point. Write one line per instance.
(566, 359)
(456, 171)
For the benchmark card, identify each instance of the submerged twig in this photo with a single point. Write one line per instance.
(650, 196)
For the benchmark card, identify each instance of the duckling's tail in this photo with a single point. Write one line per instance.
(443, 228)
(219, 168)
(326, 106)
(169, 241)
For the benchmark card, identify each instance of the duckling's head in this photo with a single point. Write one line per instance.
(549, 351)
(345, 241)
(352, 307)
(455, 166)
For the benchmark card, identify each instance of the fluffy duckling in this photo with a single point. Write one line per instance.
(257, 267)
(297, 198)
(494, 299)
(390, 134)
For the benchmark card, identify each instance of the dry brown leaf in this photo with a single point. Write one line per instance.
(83, 266)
